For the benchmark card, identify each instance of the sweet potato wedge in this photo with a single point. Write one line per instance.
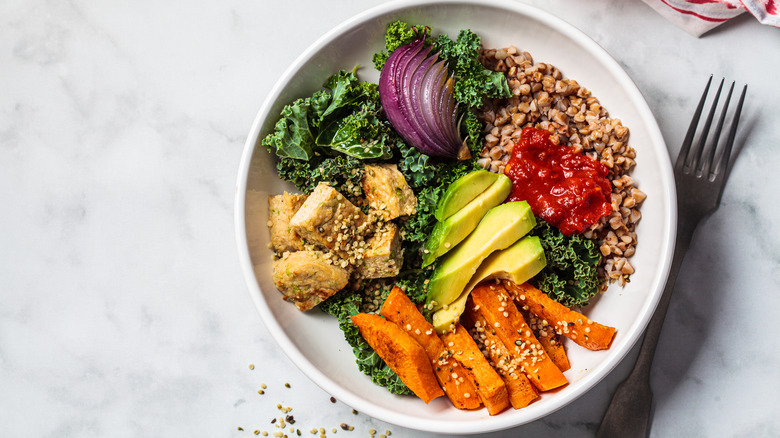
(551, 341)
(493, 302)
(520, 390)
(402, 354)
(552, 344)
(490, 387)
(565, 321)
(399, 309)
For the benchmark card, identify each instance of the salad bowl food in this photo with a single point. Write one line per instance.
(313, 340)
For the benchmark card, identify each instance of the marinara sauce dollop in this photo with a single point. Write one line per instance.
(565, 188)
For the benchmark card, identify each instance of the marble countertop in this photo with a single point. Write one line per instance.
(123, 310)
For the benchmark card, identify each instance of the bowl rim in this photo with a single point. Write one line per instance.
(377, 411)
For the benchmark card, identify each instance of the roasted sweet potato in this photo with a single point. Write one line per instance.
(520, 390)
(399, 309)
(490, 387)
(493, 302)
(565, 321)
(551, 341)
(401, 352)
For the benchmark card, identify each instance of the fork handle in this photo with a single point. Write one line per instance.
(628, 414)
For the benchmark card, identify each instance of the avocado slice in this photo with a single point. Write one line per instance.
(519, 263)
(500, 227)
(450, 232)
(462, 191)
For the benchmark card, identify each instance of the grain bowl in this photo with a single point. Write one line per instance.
(313, 341)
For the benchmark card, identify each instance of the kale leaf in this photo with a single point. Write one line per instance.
(343, 118)
(361, 134)
(570, 276)
(341, 172)
(473, 82)
(292, 137)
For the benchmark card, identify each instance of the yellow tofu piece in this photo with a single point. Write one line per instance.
(384, 255)
(386, 190)
(281, 208)
(306, 278)
(329, 220)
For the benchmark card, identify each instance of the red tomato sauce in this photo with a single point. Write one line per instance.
(566, 189)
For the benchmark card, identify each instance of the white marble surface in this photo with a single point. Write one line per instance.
(123, 311)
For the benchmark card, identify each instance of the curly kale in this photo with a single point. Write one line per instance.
(570, 276)
(343, 305)
(398, 34)
(342, 172)
(473, 82)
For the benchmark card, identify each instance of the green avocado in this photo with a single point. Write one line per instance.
(450, 232)
(462, 191)
(519, 263)
(501, 227)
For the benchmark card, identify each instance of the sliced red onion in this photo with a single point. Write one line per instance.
(417, 96)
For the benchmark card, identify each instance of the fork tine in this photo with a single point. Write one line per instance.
(694, 164)
(682, 157)
(706, 167)
(721, 170)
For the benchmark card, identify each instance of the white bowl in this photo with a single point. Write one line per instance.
(313, 341)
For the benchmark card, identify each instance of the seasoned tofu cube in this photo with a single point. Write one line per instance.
(383, 256)
(306, 278)
(329, 220)
(386, 190)
(281, 208)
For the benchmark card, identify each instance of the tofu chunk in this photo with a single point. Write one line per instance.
(386, 190)
(281, 208)
(329, 220)
(383, 256)
(306, 278)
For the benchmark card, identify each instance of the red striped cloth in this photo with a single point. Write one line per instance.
(699, 16)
